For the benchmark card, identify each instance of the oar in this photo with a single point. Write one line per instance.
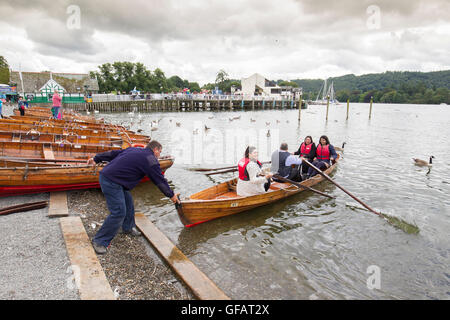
(396, 222)
(215, 169)
(276, 176)
(340, 187)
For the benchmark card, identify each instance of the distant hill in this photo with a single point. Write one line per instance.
(401, 86)
(379, 81)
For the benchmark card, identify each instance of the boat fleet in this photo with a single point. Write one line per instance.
(41, 154)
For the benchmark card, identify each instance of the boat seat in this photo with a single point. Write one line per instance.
(231, 186)
(48, 152)
(16, 137)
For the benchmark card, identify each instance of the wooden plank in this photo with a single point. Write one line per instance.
(58, 205)
(92, 284)
(202, 287)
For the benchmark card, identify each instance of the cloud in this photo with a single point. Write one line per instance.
(194, 39)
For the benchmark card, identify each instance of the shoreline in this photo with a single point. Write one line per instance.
(132, 267)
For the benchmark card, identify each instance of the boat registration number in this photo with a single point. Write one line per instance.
(234, 204)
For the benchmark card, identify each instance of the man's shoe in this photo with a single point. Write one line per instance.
(99, 248)
(133, 232)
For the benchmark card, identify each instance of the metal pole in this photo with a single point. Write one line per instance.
(370, 112)
(328, 105)
(300, 101)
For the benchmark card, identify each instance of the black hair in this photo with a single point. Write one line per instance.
(249, 150)
(326, 139)
(312, 141)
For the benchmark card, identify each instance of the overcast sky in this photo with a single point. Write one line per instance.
(285, 39)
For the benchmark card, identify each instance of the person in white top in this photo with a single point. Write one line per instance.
(252, 180)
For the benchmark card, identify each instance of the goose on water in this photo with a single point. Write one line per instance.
(340, 149)
(423, 163)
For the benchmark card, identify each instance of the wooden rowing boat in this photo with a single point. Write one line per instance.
(28, 179)
(47, 127)
(53, 150)
(99, 125)
(36, 136)
(222, 200)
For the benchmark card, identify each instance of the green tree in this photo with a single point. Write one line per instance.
(4, 71)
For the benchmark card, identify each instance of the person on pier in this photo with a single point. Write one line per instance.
(56, 101)
(307, 150)
(125, 170)
(252, 180)
(325, 155)
(286, 164)
(21, 106)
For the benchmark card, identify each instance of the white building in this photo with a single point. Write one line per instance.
(257, 85)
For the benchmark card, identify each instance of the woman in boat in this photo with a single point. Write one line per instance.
(252, 180)
(325, 155)
(307, 150)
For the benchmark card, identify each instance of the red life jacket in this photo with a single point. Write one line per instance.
(242, 166)
(305, 149)
(323, 152)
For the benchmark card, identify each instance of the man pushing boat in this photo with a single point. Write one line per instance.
(125, 170)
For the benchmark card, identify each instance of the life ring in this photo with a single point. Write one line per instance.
(137, 145)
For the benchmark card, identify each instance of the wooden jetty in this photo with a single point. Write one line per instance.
(185, 105)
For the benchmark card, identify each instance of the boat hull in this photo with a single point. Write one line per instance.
(224, 202)
(27, 180)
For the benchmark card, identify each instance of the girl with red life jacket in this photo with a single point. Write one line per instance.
(325, 155)
(250, 181)
(307, 150)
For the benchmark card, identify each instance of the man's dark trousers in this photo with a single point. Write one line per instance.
(121, 207)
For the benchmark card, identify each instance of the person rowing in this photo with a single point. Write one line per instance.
(286, 164)
(325, 155)
(250, 181)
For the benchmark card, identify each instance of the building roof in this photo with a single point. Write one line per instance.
(34, 81)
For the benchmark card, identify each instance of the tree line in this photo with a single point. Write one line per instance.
(387, 87)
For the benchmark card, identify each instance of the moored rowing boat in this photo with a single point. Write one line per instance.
(29, 179)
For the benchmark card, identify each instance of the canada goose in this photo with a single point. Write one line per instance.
(206, 128)
(340, 149)
(268, 133)
(139, 130)
(423, 163)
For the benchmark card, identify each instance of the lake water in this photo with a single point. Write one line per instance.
(307, 246)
